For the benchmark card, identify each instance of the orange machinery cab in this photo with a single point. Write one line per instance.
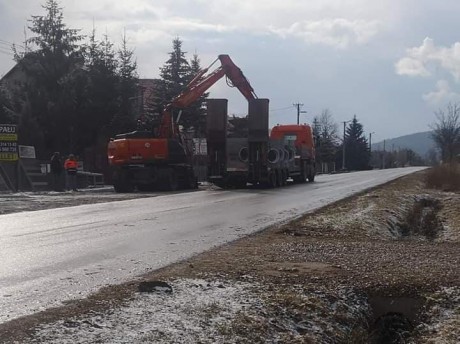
(299, 135)
(142, 148)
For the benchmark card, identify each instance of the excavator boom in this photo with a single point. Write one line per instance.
(199, 85)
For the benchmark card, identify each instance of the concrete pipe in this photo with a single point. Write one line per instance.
(273, 155)
(244, 154)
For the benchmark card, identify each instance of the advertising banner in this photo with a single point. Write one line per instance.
(8, 142)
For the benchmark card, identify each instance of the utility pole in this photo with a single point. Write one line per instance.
(298, 105)
(370, 147)
(383, 156)
(343, 145)
(370, 141)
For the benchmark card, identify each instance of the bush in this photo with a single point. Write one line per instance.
(445, 177)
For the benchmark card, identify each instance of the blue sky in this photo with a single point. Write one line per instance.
(392, 62)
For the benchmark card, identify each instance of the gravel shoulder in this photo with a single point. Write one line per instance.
(327, 277)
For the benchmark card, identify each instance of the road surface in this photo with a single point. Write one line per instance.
(52, 256)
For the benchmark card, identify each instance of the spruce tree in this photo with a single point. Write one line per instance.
(126, 117)
(174, 77)
(54, 84)
(195, 115)
(356, 147)
(7, 114)
(102, 91)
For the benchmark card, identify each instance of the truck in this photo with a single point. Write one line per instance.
(267, 158)
(161, 159)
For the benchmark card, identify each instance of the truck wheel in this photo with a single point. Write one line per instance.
(302, 178)
(173, 184)
(122, 183)
(123, 186)
(311, 173)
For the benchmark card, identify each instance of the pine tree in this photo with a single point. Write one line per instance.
(7, 114)
(125, 119)
(102, 91)
(356, 147)
(174, 77)
(195, 115)
(55, 84)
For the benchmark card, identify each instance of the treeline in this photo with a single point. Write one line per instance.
(349, 149)
(71, 92)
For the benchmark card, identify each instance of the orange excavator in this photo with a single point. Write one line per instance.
(162, 159)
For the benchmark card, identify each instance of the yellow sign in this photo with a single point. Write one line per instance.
(8, 142)
(8, 137)
(8, 156)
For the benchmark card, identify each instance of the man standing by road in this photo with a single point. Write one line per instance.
(70, 166)
(56, 171)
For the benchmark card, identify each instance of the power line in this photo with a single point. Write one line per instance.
(8, 44)
(284, 108)
(2, 41)
(5, 52)
(3, 48)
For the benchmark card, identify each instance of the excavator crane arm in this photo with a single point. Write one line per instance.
(199, 85)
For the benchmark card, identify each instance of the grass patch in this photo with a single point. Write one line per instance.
(422, 219)
(445, 177)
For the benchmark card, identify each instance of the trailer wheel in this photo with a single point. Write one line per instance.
(283, 175)
(145, 187)
(189, 181)
(272, 180)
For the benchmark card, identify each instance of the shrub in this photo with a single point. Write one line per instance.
(445, 177)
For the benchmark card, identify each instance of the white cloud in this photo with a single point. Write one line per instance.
(352, 23)
(337, 32)
(442, 94)
(418, 60)
(412, 67)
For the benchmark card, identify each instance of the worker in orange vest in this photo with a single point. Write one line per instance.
(70, 166)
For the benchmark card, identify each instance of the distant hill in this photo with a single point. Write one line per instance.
(420, 143)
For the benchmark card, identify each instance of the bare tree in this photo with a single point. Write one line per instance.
(328, 127)
(446, 132)
(325, 130)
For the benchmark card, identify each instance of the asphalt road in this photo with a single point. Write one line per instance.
(48, 257)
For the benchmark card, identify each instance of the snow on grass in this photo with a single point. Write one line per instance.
(202, 311)
(443, 314)
(192, 313)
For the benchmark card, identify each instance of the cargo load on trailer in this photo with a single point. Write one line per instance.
(263, 157)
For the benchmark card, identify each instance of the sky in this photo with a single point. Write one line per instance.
(392, 63)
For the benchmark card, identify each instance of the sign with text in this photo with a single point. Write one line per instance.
(27, 152)
(8, 142)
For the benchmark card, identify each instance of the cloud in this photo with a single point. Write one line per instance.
(419, 60)
(412, 67)
(442, 94)
(336, 32)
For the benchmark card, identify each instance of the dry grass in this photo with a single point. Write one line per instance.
(445, 177)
